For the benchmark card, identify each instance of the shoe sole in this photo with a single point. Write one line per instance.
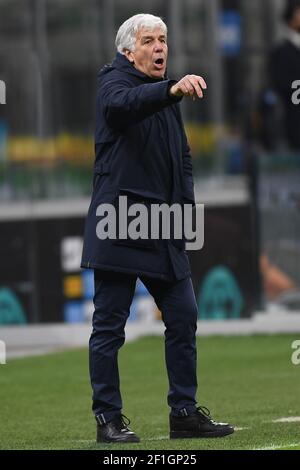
(191, 435)
(118, 441)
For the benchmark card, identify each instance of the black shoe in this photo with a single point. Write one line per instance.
(198, 424)
(115, 431)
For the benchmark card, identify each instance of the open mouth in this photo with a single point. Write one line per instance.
(159, 62)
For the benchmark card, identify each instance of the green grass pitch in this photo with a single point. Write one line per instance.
(249, 381)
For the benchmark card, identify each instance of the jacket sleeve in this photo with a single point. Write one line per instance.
(188, 192)
(188, 181)
(125, 105)
(280, 74)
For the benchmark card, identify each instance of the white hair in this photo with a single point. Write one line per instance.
(126, 35)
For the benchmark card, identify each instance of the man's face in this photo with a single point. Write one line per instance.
(151, 52)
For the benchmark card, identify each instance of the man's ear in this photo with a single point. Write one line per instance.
(129, 56)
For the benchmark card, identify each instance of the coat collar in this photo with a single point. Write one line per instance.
(293, 37)
(122, 63)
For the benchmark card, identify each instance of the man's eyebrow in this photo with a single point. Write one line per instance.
(151, 37)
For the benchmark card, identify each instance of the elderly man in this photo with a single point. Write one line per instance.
(142, 153)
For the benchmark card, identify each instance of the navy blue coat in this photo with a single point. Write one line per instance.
(142, 152)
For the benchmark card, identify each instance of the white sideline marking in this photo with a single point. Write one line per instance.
(93, 441)
(158, 438)
(85, 441)
(290, 419)
(164, 438)
(274, 447)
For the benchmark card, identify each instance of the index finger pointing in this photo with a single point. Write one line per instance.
(202, 82)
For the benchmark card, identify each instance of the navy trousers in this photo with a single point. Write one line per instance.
(176, 300)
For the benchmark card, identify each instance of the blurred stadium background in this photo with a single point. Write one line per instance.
(50, 52)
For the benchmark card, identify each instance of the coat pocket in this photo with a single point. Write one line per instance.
(138, 228)
(100, 169)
